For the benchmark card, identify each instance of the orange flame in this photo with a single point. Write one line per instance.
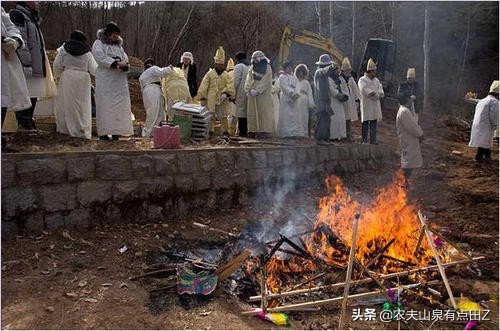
(387, 217)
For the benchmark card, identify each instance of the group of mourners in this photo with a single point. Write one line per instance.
(245, 98)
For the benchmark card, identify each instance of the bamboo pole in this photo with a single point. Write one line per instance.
(364, 281)
(263, 286)
(352, 257)
(326, 301)
(438, 259)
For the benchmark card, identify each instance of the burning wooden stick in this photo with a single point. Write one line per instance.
(419, 242)
(209, 228)
(227, 269)
(349, 271)
(438, 259)
(382, 251)
(365, 280)
(327, 301)
(263, 286)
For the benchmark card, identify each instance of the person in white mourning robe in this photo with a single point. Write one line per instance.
(288, 124)
(15, 94)
(371, 92)
(484, 123)
(305, 102)
(338, 97)
(113, 109)
(410, 135)
(152, 96)
(352, 104)
(73, 66)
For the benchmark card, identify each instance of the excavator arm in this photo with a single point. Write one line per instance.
(309, 39)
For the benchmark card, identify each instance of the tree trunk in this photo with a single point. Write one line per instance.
(466, 47)
(353, 29)
(330, 19)
(180, 35)
(426, 47)
(393, 5)
(317, 8)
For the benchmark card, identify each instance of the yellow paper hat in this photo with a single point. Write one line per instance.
(371, 65)
(410, 73)
(230, 65)
(220, 55)
(494, 87)
(346, 65)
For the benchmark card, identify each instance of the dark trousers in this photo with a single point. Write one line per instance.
(407, 172)
(323, 127)
(348, 130)
(242, 126)
(25, 117)
(483, 154)
(370, 126)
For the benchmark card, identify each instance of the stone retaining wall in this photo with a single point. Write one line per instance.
(77, 190)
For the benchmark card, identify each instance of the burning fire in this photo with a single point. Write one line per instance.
(387, 220)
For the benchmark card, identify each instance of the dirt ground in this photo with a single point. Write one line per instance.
(79, 280)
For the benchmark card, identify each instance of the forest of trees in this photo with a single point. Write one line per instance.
(463, 36)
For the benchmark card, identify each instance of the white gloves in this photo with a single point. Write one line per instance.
(254, 92)
(413, 97)
(9, 45)
(223, 97)
(28, 71)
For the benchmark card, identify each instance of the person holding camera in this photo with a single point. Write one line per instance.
(113, 109)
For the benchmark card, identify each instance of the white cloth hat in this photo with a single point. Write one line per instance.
(346, 65)
(411, 73)
(324, 60)
(188, 55)
(494, 87)
(371, 65)
(259, 55)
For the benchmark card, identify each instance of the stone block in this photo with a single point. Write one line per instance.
(91, 192)
(142, 167)
(355, 154)
(225, 199)
(41, 171)
(260, 159)
(77, 219)
(244, 160)
(312, 155)
(226, 159)
(188, 163)
(17, 199)
(323, 153)
(288, 157)
(80, 169)
(9, 228)
(158, 186)
(184, 183)
(334, 152)
(155, 213)
(126, 190)
(275, 158)
(344, 152)
(211, 201)
(8, 173)
(208, 161)
(54, 221)
(58, 197)
(165, 164)
(301, 155)
(223, 181)
(34, 223)
(202, 182)
(114, 167)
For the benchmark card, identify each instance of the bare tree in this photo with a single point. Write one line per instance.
(317, 8)
(465, 48)
(180, 35)
(426, 47)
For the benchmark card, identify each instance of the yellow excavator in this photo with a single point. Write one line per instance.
(309, 39)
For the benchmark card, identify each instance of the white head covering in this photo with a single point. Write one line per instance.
(324, 60)
(259, 55)
(189, 55)
(410, 73)
(494, 87)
